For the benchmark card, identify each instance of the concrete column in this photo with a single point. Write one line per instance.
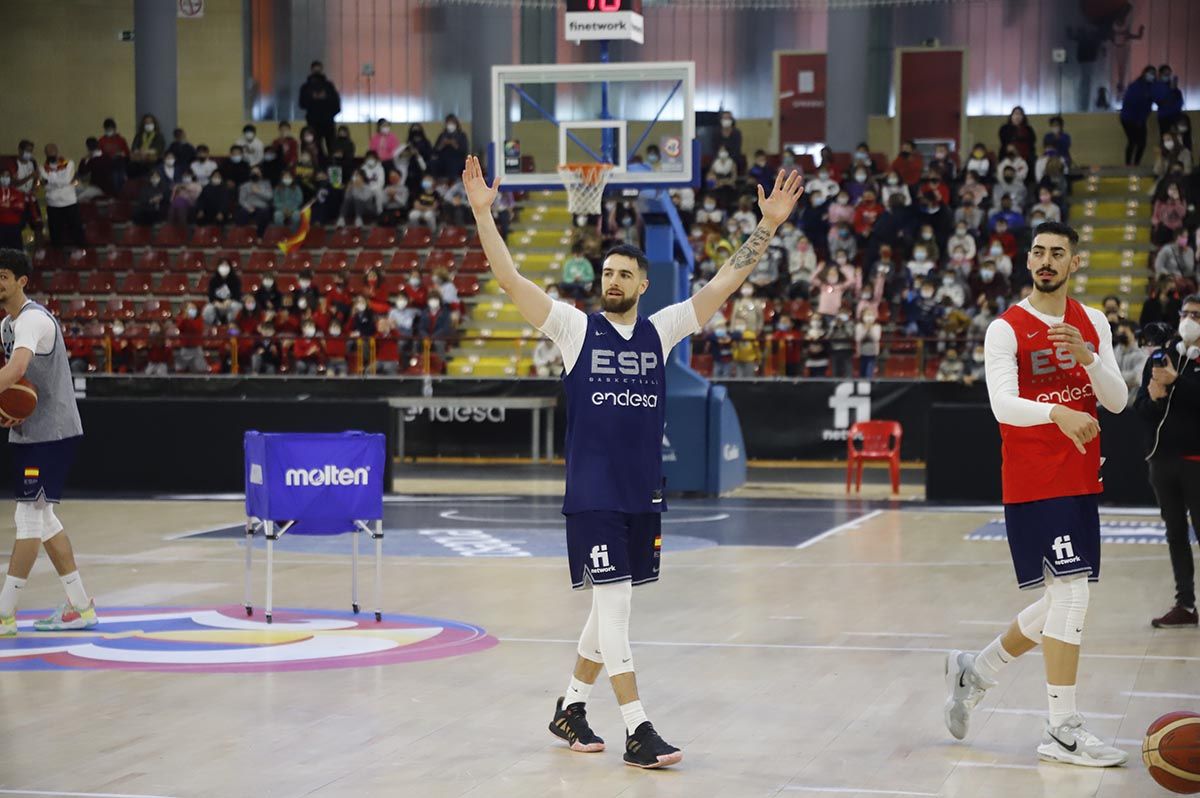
(154, 63)
(847, 48)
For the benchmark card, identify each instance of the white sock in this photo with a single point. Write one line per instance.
(8, 595)
(577, 692)
(73, 584)
(992, 660)
(1062, 702)
(634, 715)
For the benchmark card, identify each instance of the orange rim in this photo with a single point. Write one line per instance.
(589, 173)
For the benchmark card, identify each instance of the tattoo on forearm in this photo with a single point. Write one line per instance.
(750, 252)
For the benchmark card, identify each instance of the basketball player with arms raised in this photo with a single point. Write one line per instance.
(1048, 360)
(614, 377)
(42, 446)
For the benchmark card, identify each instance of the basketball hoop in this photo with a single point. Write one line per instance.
(585, 184)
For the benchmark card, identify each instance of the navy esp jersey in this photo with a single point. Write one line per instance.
(616, 409)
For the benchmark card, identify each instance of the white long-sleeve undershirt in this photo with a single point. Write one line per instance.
(1000, 364)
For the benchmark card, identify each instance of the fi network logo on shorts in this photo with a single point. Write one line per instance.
(1064, 550)
(600, 559)
(327, 475)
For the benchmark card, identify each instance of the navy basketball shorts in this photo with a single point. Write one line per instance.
(1060, 535)
(40, 469)
(605, 546)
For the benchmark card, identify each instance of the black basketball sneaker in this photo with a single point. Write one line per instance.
(570, 724)
(645, 749)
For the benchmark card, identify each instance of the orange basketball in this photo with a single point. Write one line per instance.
(18, 402)
(1171, 752)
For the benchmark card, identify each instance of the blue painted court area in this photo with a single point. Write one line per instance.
(1150, 530)
(532, 527)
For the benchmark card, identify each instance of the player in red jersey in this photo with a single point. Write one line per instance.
(1049, 360)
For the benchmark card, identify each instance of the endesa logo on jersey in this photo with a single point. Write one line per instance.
(1070, 393)
(626, 398)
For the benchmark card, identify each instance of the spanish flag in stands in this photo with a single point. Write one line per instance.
(297, 238)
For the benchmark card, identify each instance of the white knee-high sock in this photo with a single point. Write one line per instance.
(1061, 698)
(992, 660)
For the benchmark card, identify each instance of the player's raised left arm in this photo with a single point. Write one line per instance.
(775, 209)
(15, 368)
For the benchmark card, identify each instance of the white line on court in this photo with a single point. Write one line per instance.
(995, 765)
(894, 634)
(1140, 694)
(999, 508)
(79, 794)
(987, 623)
(786, 617)
(832, 647)
(858, 791)
(1041, 713)
(454, 515)
(851, 524)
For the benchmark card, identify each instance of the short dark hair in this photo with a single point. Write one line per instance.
(1056, 119)
(630, 251)
(316, 64)
(1190, 299)
(1058, 229)
(16, 261)
(1165, 68)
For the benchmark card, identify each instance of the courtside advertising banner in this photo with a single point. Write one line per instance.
(314, 477)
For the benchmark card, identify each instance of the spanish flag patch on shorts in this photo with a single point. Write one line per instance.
(658, 543)
(32, 473)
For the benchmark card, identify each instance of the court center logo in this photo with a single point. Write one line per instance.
(224, 640)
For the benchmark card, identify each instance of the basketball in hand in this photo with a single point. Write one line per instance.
(18, 402)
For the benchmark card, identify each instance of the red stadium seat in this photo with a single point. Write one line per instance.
(274, 234)
(367, 260)
(173, 285)
(206, 237)
(897, 365)
(120, 212)
(466, 285)
(116, 260)
(439, 259)
(473, 242)
(171, 236)
(153, 260)
(135, 284)
(63, 283)
(703, 365)
(325, 282)
(190, 261)
(345, 238)
(393, 283)
(90, 212)
(262, 260)
(98, 233)
(451, 238)
(286, 283)
(474, 263)
(873, 440)
(405, 261)
(416, 237)
(240, 237)
(297, 261)
(98, 283)
(381, 238)
(333, 261)
(154, 310)
(136, 236)
(82, 260)
(81, 310)
(316, 238)
(117, 309)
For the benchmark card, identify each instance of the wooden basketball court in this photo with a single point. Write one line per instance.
(794, 668)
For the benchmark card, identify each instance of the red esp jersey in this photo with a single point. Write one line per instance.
(1041, 462)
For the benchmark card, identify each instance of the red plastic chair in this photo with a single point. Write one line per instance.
(879, 440)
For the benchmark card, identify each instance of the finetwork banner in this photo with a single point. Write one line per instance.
(319, 479)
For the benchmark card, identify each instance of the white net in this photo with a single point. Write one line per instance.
(585, 184)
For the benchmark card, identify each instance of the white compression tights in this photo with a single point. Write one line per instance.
(605, 636)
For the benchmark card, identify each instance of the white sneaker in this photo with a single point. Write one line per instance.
(965, 688)
(1073, 744)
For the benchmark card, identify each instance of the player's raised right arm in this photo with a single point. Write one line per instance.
(533, 303)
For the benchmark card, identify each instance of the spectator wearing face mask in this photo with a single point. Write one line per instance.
(1009, 218)
(788, 345)
(944, 164)
(842, 210)
(148, 146)
(868, 333)
(13, 213)
(1046, 206)
(272, 165)
(26, 179)
(722, 174)
(1168, 98)
(1007, 241)
(253, 148)
(189, 352)
(747, 311)
(962, 238)
(729, 136)
(287, 200)
(1131, 358)
(860, 183)
(814, 218)
(920, 264)
(959, 263)
(709, 213)
(62, 206)
(979, 164)
(745, 216)
(203, 167)
(1171, 151)
(224, 291)
(267, 355)
(842, 342)
(988, 281)
(1058, 139)
(254, 201)
(970, 215)
(435, 325)
(308, 351)
(1135, 110)
(154, 198)
(893, 187)
(450, 150)
(951, 369)
(286, 145)
(95, 174)
(321, 103)
(113, 145)
(927, 238)
(1168, 215)
(832, 284)
(360, 204)
(1162, 303)
(802, 267)
(841, 242)
(305, 295)
(816, 349)
(268, 296)
(922, 310)
(374, 173)
(384, 142)
(578, 275)
(908, 163)
(1010, 185)
(170, 169)
(951, 289)
(235, 170)
(402, 316)
(454, 208)
(1177, 261)
(1013, 159)
(425, 206)
(932, 182)
(184, 197)
(1016, 132)
(760, 171)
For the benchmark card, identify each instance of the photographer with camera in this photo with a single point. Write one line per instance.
(1169, 400)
